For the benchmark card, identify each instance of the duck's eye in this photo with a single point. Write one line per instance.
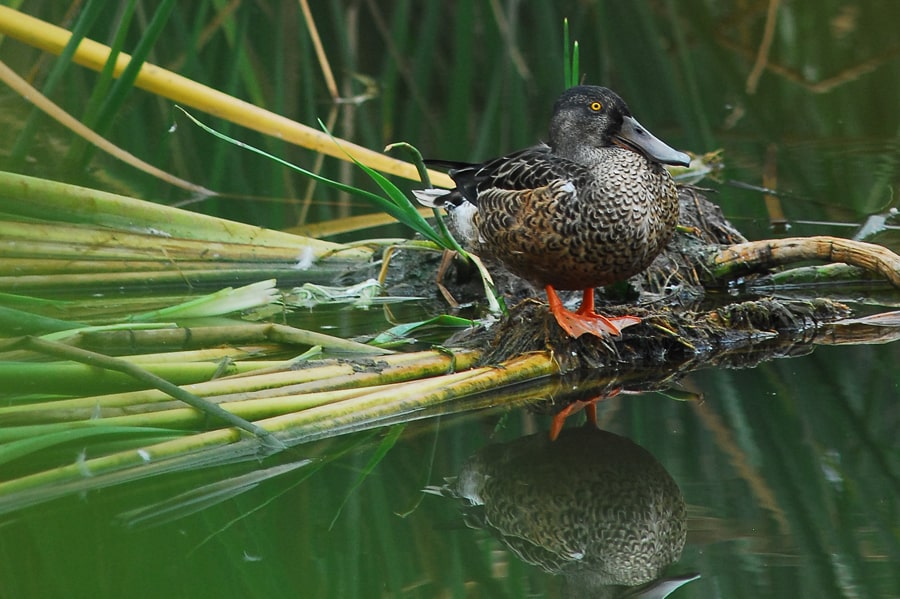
(596, 106)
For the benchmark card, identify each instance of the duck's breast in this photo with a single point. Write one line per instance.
(596, 228)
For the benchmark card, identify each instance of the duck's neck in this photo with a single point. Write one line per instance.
(580, 152)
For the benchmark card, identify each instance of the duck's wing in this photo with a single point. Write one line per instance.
(488, 197)
(455, 166)
(447, 165)
(526, 170)
(520, 172)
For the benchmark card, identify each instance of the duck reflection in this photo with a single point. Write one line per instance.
(591, 506)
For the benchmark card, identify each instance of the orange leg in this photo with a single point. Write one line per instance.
(585, 319)
(589, 407)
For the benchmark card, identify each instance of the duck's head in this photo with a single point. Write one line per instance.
(588, 116)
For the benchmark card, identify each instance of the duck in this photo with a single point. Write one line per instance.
(591, 207)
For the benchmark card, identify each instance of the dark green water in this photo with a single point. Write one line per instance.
(790, 470)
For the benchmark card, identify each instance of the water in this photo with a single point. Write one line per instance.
(790, 470)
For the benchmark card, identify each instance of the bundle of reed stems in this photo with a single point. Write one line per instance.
(219, 391)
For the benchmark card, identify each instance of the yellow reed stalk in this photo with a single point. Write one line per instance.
(167, 84)
(24, 89)
(329, 376)
(402, 401)
(39, 198)
(60, 240)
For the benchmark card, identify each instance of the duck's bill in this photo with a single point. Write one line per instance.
(662, 588)
(637, 138)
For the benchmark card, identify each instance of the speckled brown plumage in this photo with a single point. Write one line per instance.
(592, 506)
(591, 207)
(576, 225)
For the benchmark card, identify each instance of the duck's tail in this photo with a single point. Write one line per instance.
(432, 198)
(460, 211)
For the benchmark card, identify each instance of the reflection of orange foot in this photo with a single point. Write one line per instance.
(585, 319)
(589, 407)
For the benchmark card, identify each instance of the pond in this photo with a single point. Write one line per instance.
(787, 470)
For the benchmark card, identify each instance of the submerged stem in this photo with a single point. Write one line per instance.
(84, 356)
